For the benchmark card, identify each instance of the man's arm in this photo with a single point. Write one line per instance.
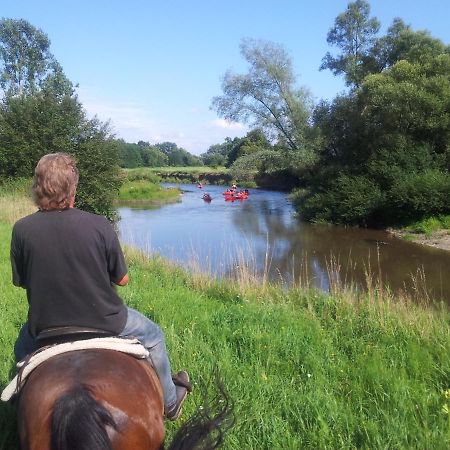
(16, 261)
(123, 281)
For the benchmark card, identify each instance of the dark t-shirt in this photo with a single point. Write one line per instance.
(67, 260)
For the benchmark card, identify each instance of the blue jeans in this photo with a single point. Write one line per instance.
(138, 326)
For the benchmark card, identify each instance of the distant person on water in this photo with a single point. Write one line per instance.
(68, 261)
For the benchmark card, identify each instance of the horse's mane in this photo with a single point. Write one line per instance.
(79, 421)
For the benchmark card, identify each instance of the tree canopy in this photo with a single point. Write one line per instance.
(26, 63)
(385, 153)
(354, 32)
(266, 96)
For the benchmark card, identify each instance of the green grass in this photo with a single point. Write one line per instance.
(209, 175)
(305, 369)
(430, 225)
(196, 169)
(142, 190)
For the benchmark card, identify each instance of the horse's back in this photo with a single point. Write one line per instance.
(126, 387)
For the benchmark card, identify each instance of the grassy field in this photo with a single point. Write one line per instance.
(144, 192)
(196, 169)
(305, 369)
(209, 175)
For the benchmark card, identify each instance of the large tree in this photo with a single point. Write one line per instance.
(354, 32)
(178, 156)
(266, 96)
(25, 57)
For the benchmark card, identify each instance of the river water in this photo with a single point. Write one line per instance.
(262, 235)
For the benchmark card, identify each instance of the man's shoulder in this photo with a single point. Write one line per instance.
(90, 217)
(26, 221)
(90, 223)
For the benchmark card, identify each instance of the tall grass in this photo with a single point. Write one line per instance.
(306, 369)
(15, 201)
(430, 225)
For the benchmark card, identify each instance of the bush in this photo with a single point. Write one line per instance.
(419, 195)
(34, 125)
(349, 200)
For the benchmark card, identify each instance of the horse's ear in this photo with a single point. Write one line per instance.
(206, 428)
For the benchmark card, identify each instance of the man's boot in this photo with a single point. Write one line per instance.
(182, 386)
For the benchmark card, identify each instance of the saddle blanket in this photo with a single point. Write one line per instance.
(131, 346)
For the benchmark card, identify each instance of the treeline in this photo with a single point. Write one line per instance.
(164, 154)
(378, 154)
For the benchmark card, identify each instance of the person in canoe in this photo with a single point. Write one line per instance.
(207, 197)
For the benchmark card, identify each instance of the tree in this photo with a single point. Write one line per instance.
(130, 155)
(386, 154)
(98, 163)
(26, 60)
(40, 113)
(402, 43)
(217, 154)
(266, 96)
(354, 32)
(34, 125)
(153, 157)
(411, 101)
(253, 142)
(178, 156)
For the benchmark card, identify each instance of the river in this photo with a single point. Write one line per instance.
(261, 237)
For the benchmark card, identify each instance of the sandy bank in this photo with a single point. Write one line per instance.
(439, 239)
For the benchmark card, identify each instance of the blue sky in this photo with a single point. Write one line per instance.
(152, 67)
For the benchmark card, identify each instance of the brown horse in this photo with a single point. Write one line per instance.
(107, 400)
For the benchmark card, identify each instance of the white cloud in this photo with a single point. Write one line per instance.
(228, 124)
(133, 122)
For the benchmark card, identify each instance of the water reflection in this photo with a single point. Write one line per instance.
(262, 230)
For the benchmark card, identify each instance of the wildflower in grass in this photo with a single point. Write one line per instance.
(446, 406)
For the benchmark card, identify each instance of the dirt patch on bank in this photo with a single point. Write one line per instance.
(439, 239)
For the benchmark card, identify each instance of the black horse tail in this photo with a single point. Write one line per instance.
(206, 429)
(79, 422)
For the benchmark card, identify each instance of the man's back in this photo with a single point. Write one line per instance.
(66, 260)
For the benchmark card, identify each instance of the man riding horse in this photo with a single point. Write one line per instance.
(68, 260)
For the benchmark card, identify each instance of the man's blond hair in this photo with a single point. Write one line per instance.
(55, 181)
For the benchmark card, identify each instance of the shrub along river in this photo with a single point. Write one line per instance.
(261, 237)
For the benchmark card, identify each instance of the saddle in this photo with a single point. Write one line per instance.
(61, 335)
(129, 345)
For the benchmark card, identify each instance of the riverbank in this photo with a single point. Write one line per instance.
(143, 192)
(433, 232)
(438, 239)
(305, 369)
